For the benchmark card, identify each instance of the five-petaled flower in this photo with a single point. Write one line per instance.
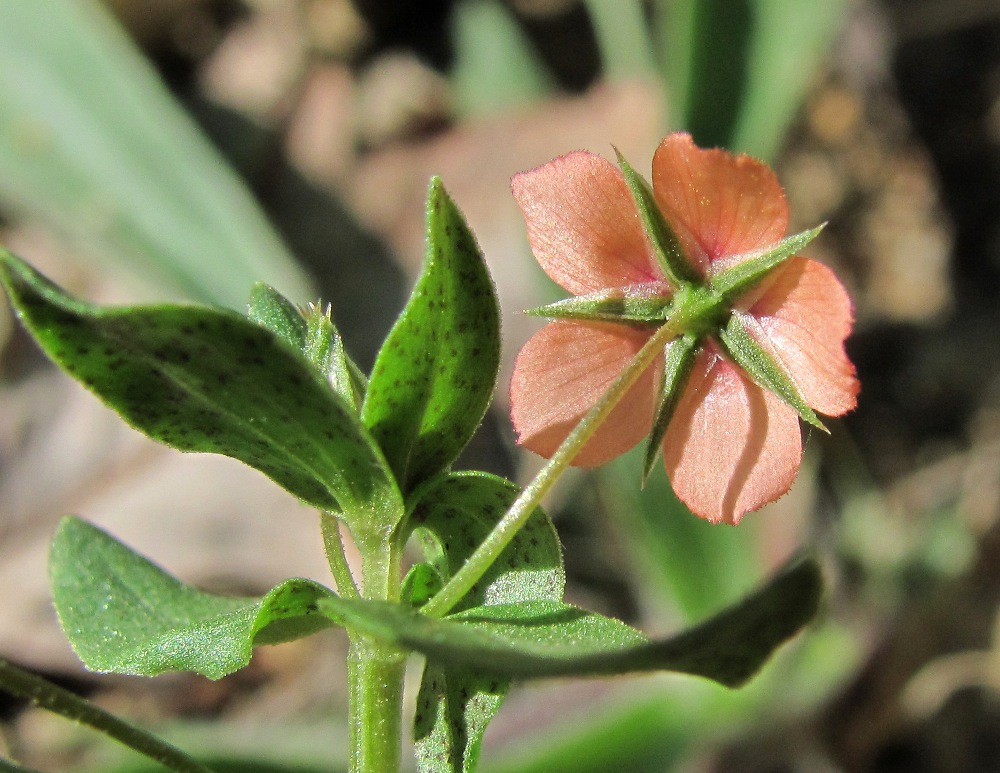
(731, 441)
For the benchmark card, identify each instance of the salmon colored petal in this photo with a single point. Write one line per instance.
(731, 447)
(720, 204)
(583, 225)
(562, 371)
(801, 314)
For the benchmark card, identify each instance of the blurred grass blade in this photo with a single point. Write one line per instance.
(687, 562)
(92, 144)
(496, 66)
(736, 70)
(622, 39)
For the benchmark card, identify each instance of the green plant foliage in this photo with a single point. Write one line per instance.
(201, 379)
(453, 514)
(124, 614)
(92, 143)
(537, 639)
(434, 376)
(273, 311)
(324, 348)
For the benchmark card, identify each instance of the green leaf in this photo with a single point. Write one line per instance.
(123, 614)
(665, 243)
(420, 583)
(764, 369)
(202, 379)
(273, 311)
(434, 376)
(676, 367)
(94, 145)
(451, 516)
(539, 639)
(734, 281)
(454, 513)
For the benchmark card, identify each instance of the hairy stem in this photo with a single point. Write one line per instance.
(375, 670)
(375, 682)
(58, 700)
(333, 544)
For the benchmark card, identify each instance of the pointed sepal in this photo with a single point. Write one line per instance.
(763, 369)
(613, 306)
(666, 245)
(733, 281)
(680, 356)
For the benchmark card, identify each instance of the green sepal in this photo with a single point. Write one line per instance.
(733, 281)
(451, 516)
(210, 380)
(763, 368)
(324, 348)
(123, 614)
(665, 243)
(273, 311)
(434, 375)
(615, 306)
(680, 357)
(542, 639)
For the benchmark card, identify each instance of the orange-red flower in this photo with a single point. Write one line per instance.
(731, 445)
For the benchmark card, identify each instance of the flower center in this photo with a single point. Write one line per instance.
(699, 310)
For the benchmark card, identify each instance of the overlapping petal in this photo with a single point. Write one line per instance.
(719, 204)
(731, 447)
(583, 225)
(562, 371)
(801, 315)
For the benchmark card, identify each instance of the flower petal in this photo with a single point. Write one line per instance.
(583, 225)
(720, 204)
(801, 315)
(561, 373)
(731, 446)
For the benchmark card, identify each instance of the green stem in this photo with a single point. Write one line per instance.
(333, 543)
(46, 695)
(375, 670)
(498, 539)
(375, 682)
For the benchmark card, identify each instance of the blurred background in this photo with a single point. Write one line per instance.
(182, 149)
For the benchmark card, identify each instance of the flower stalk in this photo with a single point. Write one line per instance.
(519, 512)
